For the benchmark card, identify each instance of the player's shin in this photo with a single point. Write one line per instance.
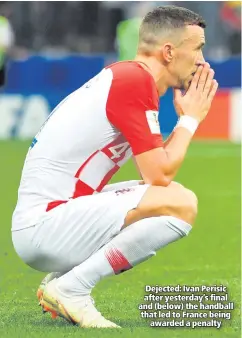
(133, 245)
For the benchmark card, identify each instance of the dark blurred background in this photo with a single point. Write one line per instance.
(48, 49)
(90, 26)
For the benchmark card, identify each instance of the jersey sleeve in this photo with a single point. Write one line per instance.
(132, 108)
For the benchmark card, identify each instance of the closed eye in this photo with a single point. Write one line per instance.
(200, 46)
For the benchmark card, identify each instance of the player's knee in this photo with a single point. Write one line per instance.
(174, 200)
(189, 206)
(181, 204)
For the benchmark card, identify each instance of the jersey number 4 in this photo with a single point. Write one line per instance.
(117, 152)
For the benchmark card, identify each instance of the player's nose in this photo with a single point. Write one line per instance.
(201, 61)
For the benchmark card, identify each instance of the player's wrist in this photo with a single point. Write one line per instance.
(188, 122)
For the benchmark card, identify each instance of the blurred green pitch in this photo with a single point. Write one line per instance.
(209, 255)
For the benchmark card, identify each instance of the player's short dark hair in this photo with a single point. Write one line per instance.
(163, 19)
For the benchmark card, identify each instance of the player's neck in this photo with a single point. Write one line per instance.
(156, 69)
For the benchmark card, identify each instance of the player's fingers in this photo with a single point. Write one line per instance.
(195, 79)
(208, 82)
(211, 87)
(203, 77)
(213, 90)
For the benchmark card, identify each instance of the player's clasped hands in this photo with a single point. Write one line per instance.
(197, 100)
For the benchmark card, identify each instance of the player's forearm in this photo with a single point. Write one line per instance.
(176, 148)
(160, 165)
(167, 141)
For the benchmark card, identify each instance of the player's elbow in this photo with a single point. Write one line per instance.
(168, 171)
(155, 167)
(160, 180)
(159, 176)
(164, 175)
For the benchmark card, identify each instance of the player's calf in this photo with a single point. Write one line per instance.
(162, 217)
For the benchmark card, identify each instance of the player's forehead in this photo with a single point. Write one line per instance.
(193, 35)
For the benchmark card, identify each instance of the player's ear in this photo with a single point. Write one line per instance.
(168, 52)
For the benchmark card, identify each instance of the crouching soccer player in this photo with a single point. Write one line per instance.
(67, 218)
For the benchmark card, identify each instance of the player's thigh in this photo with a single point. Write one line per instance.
(121, 185)
(174, 200)
(74, 231)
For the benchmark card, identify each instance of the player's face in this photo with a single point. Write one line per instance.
(188, 56)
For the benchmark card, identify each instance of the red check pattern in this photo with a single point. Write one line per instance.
(98, 169)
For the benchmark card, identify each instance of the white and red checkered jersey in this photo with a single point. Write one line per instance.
(87, 138)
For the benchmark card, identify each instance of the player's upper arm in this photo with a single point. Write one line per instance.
(132, 107)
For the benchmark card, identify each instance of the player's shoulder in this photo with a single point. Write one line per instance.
(130, 72)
